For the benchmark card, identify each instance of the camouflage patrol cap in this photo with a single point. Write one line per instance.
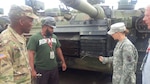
(117, 27)
(22, 10)
(49, 21)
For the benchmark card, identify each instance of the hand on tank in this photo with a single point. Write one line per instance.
(100, 58)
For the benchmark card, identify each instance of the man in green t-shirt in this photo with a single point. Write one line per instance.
(42, 48)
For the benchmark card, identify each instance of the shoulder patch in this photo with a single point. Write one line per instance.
(129, 58)
(2, 56)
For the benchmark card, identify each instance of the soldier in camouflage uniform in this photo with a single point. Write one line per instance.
(125, 56)
(14, 64)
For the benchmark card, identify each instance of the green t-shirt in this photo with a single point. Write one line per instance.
(40, 45)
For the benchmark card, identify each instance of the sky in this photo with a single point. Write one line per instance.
(55, 3)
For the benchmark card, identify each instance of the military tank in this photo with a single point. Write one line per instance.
(85, 37)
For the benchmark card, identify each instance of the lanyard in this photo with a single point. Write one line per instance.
(49, 40)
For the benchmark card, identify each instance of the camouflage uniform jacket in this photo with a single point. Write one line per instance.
(125, 57)
(14, 63)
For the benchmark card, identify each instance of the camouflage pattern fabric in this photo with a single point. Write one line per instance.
(14, 64)
(125, 57)
(23, 10)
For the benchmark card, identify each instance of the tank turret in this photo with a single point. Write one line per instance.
(96, 11)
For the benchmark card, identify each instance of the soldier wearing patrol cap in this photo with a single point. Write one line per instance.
(14, 63)
(125, 56)
(44, 46)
